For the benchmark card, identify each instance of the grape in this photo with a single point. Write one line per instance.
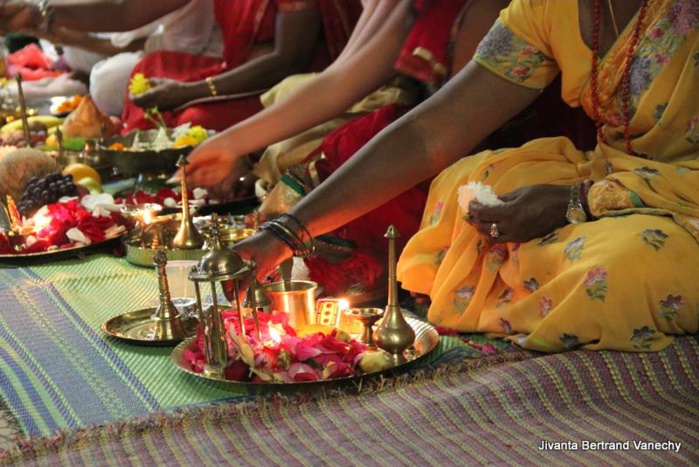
(41, 191)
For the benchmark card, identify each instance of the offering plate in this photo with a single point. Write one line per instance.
(426, 339)
(138, 327)
(140, 161)
(141, 243)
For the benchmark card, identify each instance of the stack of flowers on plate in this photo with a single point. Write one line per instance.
(281, 355)
(69, 223)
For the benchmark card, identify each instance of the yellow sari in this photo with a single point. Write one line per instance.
(627, 281)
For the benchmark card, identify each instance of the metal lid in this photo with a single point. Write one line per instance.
(219, 263)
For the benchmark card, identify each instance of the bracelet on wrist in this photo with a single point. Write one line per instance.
(45, 16)
(300, 246)
(212, 86)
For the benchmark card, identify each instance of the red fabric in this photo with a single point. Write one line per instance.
(31, 63)
(242, 23)
(366, 265)
(425, 53)
(403, 211)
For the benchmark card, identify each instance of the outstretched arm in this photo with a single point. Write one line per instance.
(331, 93)
(294, 44)
(422, 143)
(79, 15)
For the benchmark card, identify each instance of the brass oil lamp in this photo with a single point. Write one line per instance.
(393, 334)
(220, 265)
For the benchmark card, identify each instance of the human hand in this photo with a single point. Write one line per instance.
(164, 93)
(527, 213)
(265, 251)
(213, 165)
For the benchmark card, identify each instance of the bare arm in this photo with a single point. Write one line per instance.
(89, 16)
(425, 141)
(86, 41)
(334, 91)
(295, 38)
(374, 15)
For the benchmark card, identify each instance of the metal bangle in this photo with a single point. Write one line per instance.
(301, 227)
(45, 16)
(212, 86)
(285, 234)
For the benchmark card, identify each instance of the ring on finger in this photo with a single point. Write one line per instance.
(494, 231)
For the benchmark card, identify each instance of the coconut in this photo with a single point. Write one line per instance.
(18, 166)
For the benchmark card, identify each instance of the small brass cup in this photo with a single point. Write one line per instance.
(298, 301)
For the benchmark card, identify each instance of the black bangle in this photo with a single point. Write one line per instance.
(300, 224)
(302, 228)
(286, 235)
(584, 191)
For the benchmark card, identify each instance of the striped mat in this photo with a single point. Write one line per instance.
(59, 371)
(576, 408)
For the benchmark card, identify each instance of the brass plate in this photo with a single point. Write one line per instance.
(426, 339)
(141, 161)
(61, 253)
(137, 327)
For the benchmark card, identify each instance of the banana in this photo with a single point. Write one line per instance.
(49, 121)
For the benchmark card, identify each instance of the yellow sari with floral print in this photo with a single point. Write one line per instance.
(627, 281)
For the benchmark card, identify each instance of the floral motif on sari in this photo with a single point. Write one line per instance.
(574, 249)
(463, 296)
(670, 306)
(596, 283)
(504, 51)
(654, 238)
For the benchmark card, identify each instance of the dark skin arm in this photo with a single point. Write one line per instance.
(95, 16)
(295, 38)
(86, 41)
(430, 138)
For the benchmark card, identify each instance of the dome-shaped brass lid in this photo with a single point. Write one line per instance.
(219, 263)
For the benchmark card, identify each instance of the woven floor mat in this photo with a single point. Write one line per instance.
(575, 408)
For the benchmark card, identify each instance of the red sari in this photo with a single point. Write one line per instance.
(243, 23)
(424, 57)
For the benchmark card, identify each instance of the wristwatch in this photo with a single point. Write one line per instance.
(576, 212)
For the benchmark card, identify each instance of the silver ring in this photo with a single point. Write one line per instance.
(494, 231)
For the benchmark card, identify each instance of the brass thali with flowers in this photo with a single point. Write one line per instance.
(426, 340)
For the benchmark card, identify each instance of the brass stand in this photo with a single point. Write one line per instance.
(163, 325)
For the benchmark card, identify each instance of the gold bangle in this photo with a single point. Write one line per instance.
(212, 87)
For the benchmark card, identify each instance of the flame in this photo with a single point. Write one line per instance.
(343, 304)
(147, 216)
